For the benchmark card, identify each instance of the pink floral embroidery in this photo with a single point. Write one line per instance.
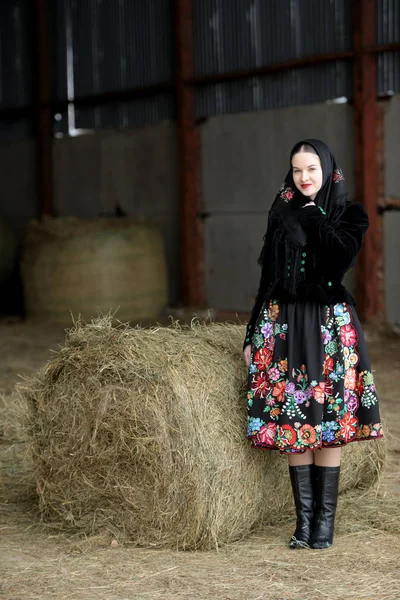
(278, 394)
(267, 434)
(286, 193)
(348, 335)
(337, 176)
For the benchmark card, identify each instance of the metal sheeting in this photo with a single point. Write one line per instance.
(388, 32)
(59, 55)
(16, 77)
(387, 21)
(110, 45)
(388, 73)
(294, 87)
(107, 46)
(16, 68)
(232, 35)
(143, 111)
(127, 114)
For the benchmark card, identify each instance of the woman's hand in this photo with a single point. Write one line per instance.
(309, 204)
(247, 354)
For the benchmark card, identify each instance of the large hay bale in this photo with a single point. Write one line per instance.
(142, 433)
(89, 266)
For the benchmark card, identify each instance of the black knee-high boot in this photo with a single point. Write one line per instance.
(326, 495)
(301, 478)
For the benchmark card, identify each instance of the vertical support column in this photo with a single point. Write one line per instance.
(43, 111)
(366, 164)
(189, 162)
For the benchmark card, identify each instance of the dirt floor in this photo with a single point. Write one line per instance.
(37, 562)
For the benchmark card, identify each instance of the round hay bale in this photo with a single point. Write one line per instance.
(142, 433)
(8, 249)
(95, 266)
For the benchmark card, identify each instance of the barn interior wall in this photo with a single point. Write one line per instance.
(134, 169)
(392, 218)
(18, 188)
(243, 160)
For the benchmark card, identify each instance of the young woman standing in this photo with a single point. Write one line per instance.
(311, 389)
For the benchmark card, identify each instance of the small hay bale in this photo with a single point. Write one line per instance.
(141, 432)
(91, 266)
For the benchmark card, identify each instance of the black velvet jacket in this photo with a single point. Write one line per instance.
(329, 253)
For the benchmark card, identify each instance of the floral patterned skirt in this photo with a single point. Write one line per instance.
(310, 381)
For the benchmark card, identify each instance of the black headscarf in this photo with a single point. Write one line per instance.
(284, 230)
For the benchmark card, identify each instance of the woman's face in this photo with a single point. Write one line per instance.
(307, 173)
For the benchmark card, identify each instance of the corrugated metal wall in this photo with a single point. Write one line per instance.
(232, 35)
(16, 68)
(388, 32)
(235, 35)
(110, 45)
(295, 87)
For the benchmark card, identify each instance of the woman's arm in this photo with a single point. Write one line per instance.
(341, 242)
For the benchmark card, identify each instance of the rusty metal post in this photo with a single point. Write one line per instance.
(43, 110)
(189, 162)
(366, 164)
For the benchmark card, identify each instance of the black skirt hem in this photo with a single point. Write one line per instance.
(324, 445)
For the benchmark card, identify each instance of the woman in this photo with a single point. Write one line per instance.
(311, 389)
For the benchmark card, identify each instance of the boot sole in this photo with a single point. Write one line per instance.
(320, 545)
(296, 544)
